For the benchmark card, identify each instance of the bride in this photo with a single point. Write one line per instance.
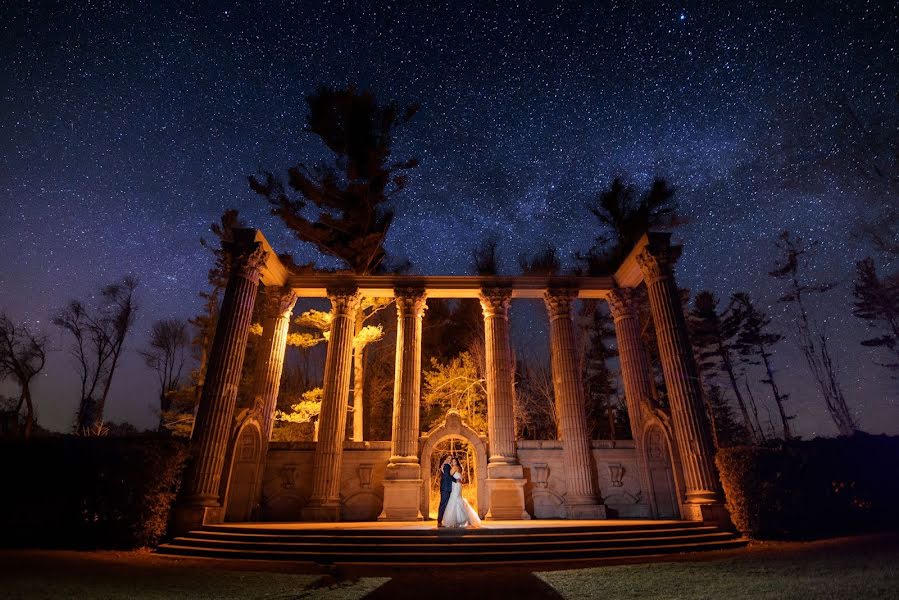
(459, 512)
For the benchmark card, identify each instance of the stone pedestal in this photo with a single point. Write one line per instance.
(691, 426)
(580, 496)
(215, 415)
(324, 503)
(402, 486)
(505, 476)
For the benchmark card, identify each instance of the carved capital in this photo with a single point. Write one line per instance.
(495, 301)
(247, 259)
(344, 301)
(278, 302)
(657, 262)
(410, 301)
(558, 301)
(623, 302)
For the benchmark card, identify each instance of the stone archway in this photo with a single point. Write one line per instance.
(241, 495)
(453, 427)
(664, 492)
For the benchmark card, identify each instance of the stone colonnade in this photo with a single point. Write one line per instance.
(505, 477)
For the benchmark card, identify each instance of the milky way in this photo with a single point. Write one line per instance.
(127, 130)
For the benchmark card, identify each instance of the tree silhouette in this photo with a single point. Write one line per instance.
(166, 354)
(713, 335)
(624, 218)
(877, 303)
(22, 356)
(754, 343)
(350, 194)
(812, 340)
(99, 335)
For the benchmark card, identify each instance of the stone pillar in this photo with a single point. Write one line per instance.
(279, 303)
(505, 477)
(324, 504)
(580, 494)
(402, 482)
(215, 415)
(704, 499)
(635, 372)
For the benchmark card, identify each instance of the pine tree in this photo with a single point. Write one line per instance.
(877, 303)
(713, 335)
(754, 344)
(727, 430)
(600, 382)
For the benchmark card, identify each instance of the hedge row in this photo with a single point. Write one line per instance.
(89, 492)
(803, 489)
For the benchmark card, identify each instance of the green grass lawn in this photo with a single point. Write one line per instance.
(865, 573)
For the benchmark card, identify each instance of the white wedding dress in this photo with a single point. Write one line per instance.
(459, 512)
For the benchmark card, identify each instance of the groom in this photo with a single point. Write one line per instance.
(446, 487)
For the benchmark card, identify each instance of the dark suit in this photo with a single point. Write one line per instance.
(446, 488)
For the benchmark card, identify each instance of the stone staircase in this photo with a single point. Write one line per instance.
(491, 544)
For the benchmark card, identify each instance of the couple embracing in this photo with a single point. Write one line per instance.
(454, 510)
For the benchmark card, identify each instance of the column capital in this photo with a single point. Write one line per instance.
(344, 300)
(495, 301)
(278, 302)
(559, 300)
(410, 300)
(623, 302)
(247, 259)
(657, 261)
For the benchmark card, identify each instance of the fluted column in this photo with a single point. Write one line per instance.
(681, 379)
(324, 503)
(279, 303)
(500, 393)
(215, 414)
(635, 369)
(580, 495)
(402, 485)
(635, 373)
(505, 477)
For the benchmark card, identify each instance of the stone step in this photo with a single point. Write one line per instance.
(454, 555)
(449, 536)
(424, 530)
(439, 546)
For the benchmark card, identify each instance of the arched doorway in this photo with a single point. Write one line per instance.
(453, 428)
(659, 464)
(244, 479)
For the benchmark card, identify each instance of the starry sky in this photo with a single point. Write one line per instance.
(127, 128)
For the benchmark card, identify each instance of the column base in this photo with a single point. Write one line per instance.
(402, 500)
(505, 493)
(187, 517)
(326, 513)
(711, 513)
(579, 509)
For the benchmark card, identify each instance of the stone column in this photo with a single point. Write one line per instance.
(703, 492)
(279, 303)
(215, 415)
(324, 504)
(635, 372)
(402, 483)
(580, 494)
(505, 477)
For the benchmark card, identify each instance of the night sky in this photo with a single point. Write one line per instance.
(126, 128)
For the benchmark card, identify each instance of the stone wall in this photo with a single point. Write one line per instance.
(287, 480)
(616, 474)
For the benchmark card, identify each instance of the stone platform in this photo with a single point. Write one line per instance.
(497, 542)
